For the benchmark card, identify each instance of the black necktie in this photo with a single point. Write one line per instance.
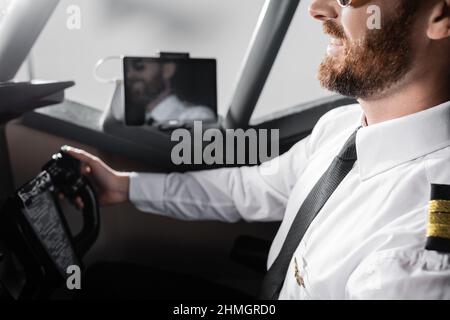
(324, 188)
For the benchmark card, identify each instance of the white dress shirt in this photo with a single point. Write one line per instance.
(172, 108)
(368, 241)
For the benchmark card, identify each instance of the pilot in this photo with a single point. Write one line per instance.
(155, 94)
(364, 200)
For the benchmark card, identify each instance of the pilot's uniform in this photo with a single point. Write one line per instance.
(369, 240)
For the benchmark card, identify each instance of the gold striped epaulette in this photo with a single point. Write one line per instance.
(438, 231)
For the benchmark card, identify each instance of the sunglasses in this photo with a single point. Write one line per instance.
(344, 3)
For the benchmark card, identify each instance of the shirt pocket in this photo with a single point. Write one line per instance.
(303, 285)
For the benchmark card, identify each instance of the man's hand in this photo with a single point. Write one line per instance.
(112, 186)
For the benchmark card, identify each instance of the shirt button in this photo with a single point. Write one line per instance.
(297, 275)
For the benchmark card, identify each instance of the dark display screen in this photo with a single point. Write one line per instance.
(160, 90)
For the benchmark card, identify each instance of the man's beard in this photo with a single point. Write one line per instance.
(374, 64)
(151, 90)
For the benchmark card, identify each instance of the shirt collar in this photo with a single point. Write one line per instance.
(385, 145)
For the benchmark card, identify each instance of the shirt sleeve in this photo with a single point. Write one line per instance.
(258, 193)
(406, 275)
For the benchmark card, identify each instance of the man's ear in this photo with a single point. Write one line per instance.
(168, 70)
(439, 22)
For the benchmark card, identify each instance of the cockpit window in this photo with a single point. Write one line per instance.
(4, 5)
(292, 80)
(81, 32)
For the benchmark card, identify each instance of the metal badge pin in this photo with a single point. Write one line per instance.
(297, 275)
